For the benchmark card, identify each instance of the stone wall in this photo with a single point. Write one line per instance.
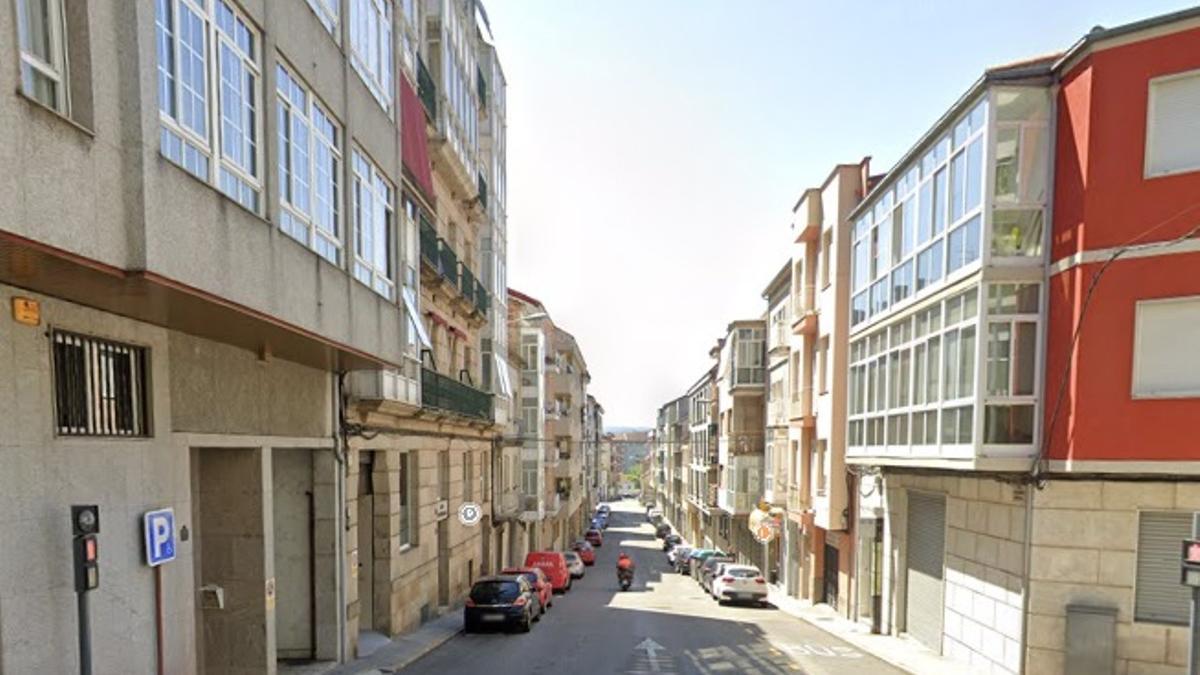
(984, 560)
(1084, 547)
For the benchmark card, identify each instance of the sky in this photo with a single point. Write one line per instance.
(657, 147)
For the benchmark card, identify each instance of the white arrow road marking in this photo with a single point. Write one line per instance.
(651, 648)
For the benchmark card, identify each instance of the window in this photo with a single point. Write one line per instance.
(373, 227)
(957, 425)
(962, 245)
(99, 387)
(371, 46)
(1008, 424)
(41, 26)
(1158, 595)
(468, 476)
(184, 31)
(929, 266)
(1173, 124)
(1017, 233)
(408, 498)
(820, 474)
(1166, 333)
(823, 365)
(328, 12)
(310, 161)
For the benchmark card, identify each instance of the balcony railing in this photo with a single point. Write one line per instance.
(426, 89)
(443, 393)
(466, 282)
(482, 299)
(429, 242)
(448, 262)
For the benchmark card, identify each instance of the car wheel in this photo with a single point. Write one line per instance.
(469, 627)
(526, 624)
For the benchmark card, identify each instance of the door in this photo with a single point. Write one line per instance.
(830, 576)
(926, 545)
(366, 544)
(292, 497)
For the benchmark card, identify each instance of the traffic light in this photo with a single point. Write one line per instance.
(85, 524)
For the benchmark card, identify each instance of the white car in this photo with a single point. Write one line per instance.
(739, 583)
(574, 564)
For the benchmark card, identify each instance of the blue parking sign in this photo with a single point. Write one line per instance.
(158, 528)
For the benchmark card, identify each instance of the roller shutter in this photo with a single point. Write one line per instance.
(1159, 596)
(926, 547)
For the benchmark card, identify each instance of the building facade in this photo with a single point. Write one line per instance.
(257, 292)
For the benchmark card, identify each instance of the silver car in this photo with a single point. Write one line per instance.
(574, 564)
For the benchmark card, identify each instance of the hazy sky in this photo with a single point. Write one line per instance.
(656, 149)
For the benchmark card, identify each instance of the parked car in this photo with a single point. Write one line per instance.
(600, 522)
(710, 575)
(678, 556)
(697, 557)
(652, 514)
(554, 564)
(604, 508)
(501, 601)
(740, 583)
(662, 530)
(574, 564)
(671, 541)
(540, 582)
(594, 537)
(710, 566)
(585, 551)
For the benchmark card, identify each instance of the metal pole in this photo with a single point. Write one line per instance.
(1194, 647)
(85, 635)
(158, 622)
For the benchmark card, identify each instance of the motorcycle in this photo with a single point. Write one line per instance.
(625, 577)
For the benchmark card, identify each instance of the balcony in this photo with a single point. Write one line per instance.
(804, 315)
(426, 90)
(443, 267)
(754, 376)
(439, 392)
(509, 504)
(737, 503)
(483, 192)
(809, 217)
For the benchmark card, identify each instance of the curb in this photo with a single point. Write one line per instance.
(427, 648)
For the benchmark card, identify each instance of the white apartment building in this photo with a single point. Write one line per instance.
(946, 341)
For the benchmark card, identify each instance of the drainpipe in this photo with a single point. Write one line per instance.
(339, 512)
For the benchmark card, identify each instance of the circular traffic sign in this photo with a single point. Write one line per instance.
(469, 513)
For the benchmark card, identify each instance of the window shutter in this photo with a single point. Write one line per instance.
(1173, 127)
(1159, 596)
(1167, 332)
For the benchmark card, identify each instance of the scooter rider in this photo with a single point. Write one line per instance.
(624, 565)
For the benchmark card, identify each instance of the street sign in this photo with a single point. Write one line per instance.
(469, 513)
(158, 530)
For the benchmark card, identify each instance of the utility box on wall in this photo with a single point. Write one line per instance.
(1091, 640)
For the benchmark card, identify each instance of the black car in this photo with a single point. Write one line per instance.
(671, 540)
(507, 601)
(662, 530)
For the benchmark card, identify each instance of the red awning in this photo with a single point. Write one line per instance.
(414, 146)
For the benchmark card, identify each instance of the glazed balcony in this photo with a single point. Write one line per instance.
(426, 90)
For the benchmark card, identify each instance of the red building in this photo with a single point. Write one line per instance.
(1127, 207)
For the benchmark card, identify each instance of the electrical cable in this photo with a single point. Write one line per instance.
(1037, 469)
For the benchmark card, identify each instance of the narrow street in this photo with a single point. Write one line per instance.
(664, 624)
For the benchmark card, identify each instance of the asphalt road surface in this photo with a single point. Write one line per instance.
(664, 624)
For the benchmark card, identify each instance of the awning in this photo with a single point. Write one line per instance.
(502, 375)
(414, 146)
(410, 305)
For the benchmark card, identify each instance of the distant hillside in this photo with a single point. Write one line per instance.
(623, 430)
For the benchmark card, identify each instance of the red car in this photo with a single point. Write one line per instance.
(554, 565)
(586, 553)
(540, 582)
(594, 538)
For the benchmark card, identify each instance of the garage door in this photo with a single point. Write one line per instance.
(926, 543)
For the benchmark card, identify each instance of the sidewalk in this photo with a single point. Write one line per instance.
(901, 652)
(404, 649)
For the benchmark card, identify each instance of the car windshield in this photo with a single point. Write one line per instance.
(572, 557)
(531, 577)
(743, 572)
(495, 592)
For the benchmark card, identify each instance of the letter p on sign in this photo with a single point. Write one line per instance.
(158, 528)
